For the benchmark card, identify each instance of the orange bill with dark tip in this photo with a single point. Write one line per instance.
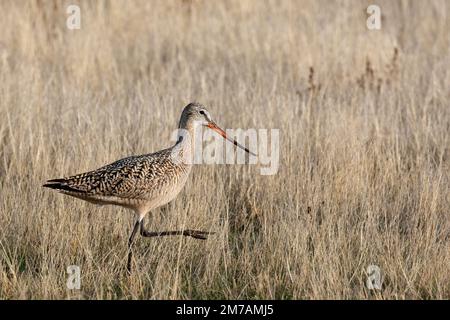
(217, 129)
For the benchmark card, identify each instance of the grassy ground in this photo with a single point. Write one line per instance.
(364, 123)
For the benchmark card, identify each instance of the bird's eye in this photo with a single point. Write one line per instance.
(202, 112)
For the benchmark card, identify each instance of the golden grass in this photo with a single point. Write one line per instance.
(364, 123)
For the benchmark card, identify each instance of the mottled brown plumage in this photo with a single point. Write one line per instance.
(143, 183)
(136, 182)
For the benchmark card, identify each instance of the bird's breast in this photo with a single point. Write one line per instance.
(167, 188)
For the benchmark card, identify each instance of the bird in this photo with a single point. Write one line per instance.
(143, 183)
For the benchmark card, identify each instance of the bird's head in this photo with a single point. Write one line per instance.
(195, 114)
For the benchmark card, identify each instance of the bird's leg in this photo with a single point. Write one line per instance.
(187, 233)
(130, 244)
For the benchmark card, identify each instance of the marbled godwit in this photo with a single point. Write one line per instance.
(143, 183)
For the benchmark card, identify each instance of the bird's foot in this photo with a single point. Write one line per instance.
(203, 235)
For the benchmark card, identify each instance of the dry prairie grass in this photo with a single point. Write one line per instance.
(364, 124)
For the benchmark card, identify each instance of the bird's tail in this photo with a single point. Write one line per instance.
(59, 184)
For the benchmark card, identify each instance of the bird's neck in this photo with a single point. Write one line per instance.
(185, 146)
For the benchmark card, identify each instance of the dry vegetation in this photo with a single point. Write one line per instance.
(364, 122)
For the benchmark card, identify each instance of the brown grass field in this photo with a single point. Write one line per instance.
(364, 175)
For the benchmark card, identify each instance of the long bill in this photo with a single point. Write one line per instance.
(217, 129)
